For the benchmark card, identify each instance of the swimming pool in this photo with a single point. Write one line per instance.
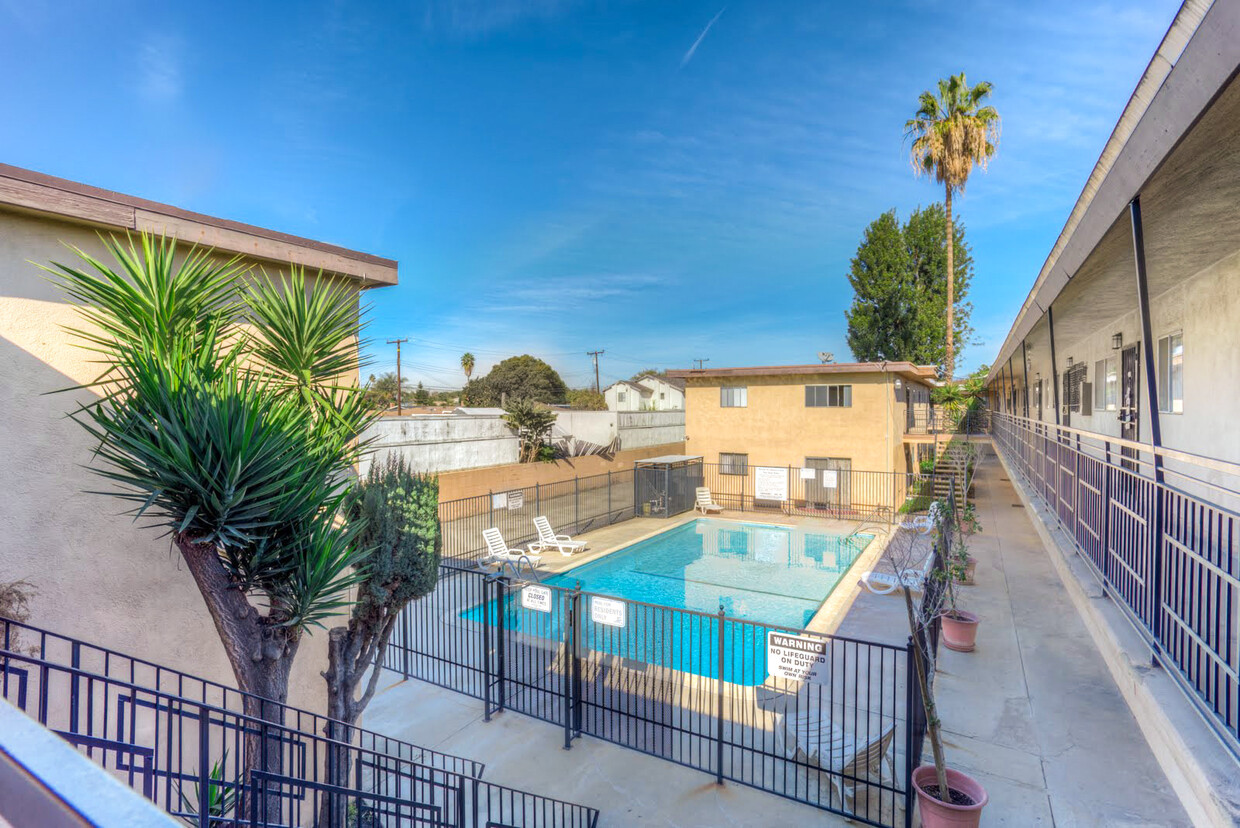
(760, 574)
(777, 575)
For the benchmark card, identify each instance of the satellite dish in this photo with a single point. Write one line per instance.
(825, 356)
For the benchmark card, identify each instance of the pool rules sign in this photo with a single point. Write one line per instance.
(797, 658)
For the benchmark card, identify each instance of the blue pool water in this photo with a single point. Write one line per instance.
(760, 574)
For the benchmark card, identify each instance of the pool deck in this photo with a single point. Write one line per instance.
(1033, 713)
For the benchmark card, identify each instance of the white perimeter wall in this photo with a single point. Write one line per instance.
(449, 442)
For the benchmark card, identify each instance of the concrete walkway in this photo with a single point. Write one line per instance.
(1033, 713)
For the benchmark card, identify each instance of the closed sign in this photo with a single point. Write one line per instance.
(536, 598)
(608, 612)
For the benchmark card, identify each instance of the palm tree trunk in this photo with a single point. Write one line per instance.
(951, 292)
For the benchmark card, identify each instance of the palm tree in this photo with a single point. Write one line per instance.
(467, 364)
(228, 418)
(952, 132)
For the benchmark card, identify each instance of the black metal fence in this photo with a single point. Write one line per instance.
(840, 493)
(188, 745)
(1167, 550)
(586, 503)
(574, 506)
(703, 690)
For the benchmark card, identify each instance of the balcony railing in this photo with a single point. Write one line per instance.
(187, 744)
(1160, 529)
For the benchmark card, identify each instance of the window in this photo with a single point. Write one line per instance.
(1037, 399)
(662, 396)
(1171, 374)
(620, 396)
(733, 463)
(828, 396)
(734, 397)
(1110, 381)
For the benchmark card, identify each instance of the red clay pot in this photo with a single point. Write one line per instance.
(938, 814)
(959, 630)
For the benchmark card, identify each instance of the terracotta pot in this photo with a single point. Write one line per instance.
(938, 814)
(959, 630)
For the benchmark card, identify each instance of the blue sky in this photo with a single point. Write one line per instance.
(665, 181)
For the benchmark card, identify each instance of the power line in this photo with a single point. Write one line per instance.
(701, 363)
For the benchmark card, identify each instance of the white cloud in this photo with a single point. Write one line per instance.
(160, 78)
(684, 61)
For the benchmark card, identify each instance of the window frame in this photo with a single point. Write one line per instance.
(738, 390)
(731, 468)
(841, 392)
(1168, 402)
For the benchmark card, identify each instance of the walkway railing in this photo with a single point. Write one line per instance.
(1167, 551)
(188, 745)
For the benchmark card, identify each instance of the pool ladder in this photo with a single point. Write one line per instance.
(516, 569)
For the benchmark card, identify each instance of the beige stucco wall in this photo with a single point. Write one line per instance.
(776, 428)
(100, 576)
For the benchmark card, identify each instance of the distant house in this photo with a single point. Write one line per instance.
(649, 393)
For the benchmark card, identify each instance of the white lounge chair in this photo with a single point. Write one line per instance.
(548, 539)
(497, 549)
(852, 758)
(704, 502)
(921, 524)
(885, 583)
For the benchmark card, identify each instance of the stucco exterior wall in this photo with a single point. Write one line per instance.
(776, 427)
(100, 576)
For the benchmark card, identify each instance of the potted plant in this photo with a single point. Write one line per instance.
(959, 628)
(945, 796)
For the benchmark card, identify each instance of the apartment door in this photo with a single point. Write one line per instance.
(1129, 400)
(819, 492)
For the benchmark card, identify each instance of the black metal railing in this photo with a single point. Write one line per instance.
(693, 688)
(573, 506)
(921, 419)
(1167, 551)
(841, 493)
(189, 746)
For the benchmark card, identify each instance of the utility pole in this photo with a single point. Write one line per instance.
(400, 381)
(701, 363)
(596, 355)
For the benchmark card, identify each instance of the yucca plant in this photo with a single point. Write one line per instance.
(227, 419)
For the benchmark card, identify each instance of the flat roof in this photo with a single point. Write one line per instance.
(904, 369)
(27, 191)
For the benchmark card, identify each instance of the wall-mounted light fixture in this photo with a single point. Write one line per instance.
(1117, 341)
(1069, 362)
(899, 384)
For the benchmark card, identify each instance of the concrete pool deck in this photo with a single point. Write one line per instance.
(1033, 713)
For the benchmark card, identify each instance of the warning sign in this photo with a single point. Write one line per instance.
(516, 500)
(797, 658)
(607, 611)
(536, 598)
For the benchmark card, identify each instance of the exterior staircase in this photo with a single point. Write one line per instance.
(951, 468)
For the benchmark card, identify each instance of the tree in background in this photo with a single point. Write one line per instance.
(952, 132)
(467, 365)
(397, 515)
(224, 420)
(899, 281)
(649, 372)
(381, 391)
(532, 424)
(421, 396)
(586, 399)
(518, 378)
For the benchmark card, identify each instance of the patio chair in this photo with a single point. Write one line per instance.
(851, 759)
(497, 549)
(548, 539)
(921, 524)
(704, 502)
(885, 583)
